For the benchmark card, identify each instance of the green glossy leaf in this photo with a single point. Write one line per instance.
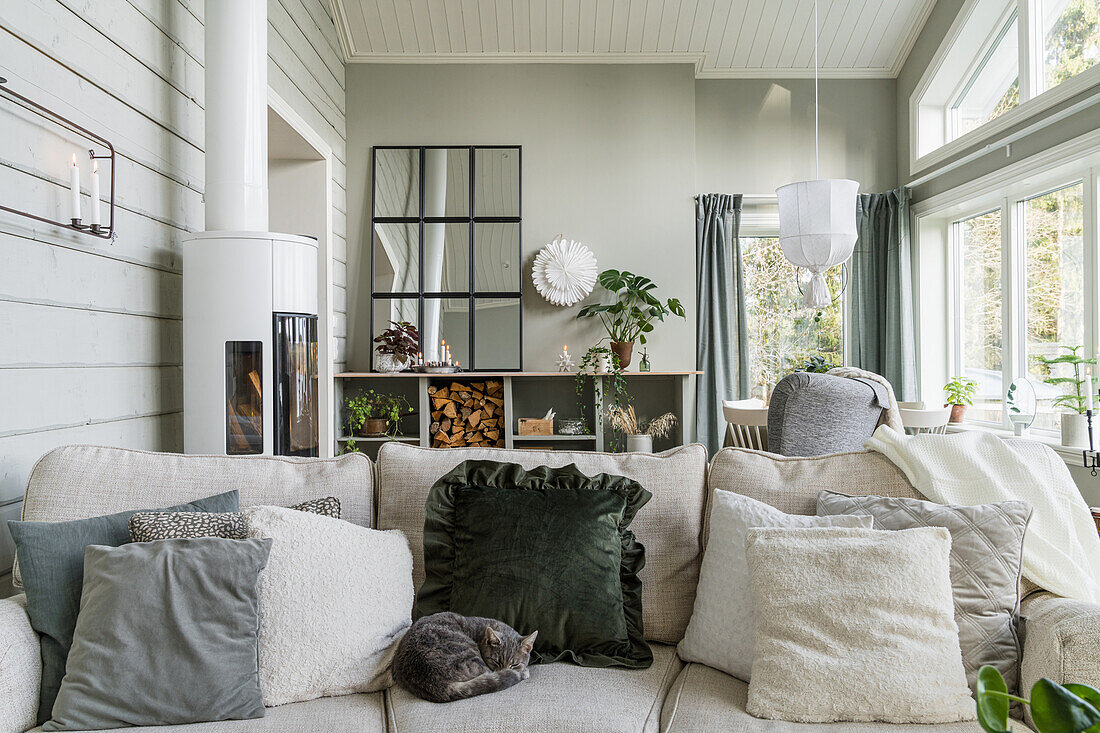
(992, 700)
(1057, 710)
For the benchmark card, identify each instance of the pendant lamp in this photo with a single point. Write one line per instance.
(817, 219)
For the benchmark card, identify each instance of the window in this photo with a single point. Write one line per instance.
(782, 333)
(1055, 285)
(979, 240)
(1002, 60)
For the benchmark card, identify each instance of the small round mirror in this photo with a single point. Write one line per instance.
(1022, 403)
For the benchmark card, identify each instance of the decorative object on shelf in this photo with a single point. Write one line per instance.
(536, 425)
(817, 219)
(76, 221)
(600, 362)
(434, 368)
(467, 415)
(571, 426)
(1068, 708)
(564, 272)
(632, 314)
(565, 361)
(1022, 404)
(644, 365)
(374, 414)
(397, 346)
(959, 393)
(639, 435)
(1079, 399)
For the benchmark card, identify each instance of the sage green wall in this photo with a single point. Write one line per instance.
(753, 135)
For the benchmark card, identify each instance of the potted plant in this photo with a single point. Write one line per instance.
(639, 435)
(816, 364)
(397, 346)
(372, 414)
(632, 314)
(1074, 422)
(600, 361)
(959, 393)
(1068, 708)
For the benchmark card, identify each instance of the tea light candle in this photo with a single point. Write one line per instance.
(74, 188)
(95, 193)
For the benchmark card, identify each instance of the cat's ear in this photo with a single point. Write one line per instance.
(527, 643)
(492, 638)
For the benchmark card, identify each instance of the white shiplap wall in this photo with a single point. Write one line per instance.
(90, 332)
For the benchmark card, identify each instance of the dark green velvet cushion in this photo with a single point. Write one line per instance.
(51, 563)
(547, 550)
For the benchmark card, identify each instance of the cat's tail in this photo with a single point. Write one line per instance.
(484, 683)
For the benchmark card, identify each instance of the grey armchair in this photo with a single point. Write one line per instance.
(816, 414)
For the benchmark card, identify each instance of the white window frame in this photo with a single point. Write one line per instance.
(1034, 97)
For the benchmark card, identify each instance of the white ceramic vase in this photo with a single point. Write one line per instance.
(1075, 430)
(639, 444)
(389, 363)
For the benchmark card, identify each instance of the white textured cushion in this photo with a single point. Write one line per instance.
(720, 632)
(855, 625)
(334, 600)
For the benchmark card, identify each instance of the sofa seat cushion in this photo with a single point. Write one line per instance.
(703, 699)
(669, 526)
(558, 698)
(350, 713)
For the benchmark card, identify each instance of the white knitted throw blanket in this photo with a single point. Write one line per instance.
(1061, 546)
(890, 414)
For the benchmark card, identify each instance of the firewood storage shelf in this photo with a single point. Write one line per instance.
(523, 394)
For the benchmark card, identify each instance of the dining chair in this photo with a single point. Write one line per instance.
(746, 423)
(932, 421)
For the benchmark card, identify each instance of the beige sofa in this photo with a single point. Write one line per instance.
(1062, 640)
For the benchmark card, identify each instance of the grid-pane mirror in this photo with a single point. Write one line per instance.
(446, 230)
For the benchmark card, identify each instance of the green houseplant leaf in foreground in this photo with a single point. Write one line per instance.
(1055, 708)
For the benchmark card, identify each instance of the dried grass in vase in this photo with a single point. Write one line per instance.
(624, 420)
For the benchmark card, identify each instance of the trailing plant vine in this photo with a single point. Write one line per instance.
(619, 397)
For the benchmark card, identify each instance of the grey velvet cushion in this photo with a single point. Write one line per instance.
(986, 552)
(51, 555)
(167, 634)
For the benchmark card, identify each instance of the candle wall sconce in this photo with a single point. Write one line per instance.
(1092, 456)
(75, 224)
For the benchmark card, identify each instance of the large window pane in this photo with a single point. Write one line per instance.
(782, 333)
(1054, 231)
(1071, 38)
(993, 88)
(980, 321)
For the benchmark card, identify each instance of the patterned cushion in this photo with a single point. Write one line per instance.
(150, 526)
(986, 553)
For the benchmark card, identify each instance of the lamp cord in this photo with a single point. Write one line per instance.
(817, 130)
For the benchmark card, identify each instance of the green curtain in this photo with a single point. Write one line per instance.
(880, 292)
(722, 335)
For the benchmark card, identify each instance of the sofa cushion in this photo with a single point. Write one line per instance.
(669, 526)
(791, 484)
(558, 698)
(703, 700)
(347, 714)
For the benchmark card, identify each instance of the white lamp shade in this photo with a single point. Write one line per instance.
(817, 229)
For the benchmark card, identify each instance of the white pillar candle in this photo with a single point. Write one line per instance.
(95, 193)
(74, 188)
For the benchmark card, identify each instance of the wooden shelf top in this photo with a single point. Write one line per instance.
(479, 375)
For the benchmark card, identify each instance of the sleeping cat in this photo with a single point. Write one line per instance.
(445, 657)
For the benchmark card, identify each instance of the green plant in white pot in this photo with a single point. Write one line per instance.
(1080, 385)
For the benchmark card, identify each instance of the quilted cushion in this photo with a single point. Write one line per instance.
(986, 552)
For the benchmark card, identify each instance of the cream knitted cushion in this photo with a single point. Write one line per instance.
(855, 625)
(720, 632)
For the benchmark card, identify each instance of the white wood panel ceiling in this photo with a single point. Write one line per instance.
(723, 38)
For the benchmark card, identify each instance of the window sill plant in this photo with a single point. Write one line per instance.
(632, 314)
(1074, 422)
(959, 394)
(397, 346)
(1055, 708)
(374, 414)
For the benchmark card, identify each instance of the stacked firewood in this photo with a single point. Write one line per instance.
(467, 415)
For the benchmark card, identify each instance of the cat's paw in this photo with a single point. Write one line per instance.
(526, 674)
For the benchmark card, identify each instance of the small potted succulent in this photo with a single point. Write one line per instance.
(1074, 423)
(959, 394)
(373, 414)
(632, 314)
(397, 347)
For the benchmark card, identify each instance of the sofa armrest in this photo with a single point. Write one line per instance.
(20, 667)
(1061, 641)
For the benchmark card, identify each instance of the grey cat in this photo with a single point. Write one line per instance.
(445, 657)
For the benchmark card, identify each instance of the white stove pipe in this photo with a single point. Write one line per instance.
(236, 115)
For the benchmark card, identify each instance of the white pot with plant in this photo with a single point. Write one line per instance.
(640, 435)
(959, 394)
(1075, 430)
(397, 346)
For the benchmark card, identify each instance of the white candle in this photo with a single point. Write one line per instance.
(1088, 389)
(95, 193)
(74, 188)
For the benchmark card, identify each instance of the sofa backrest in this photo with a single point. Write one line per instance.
(791, 484)
(80, 481)
(669, 527)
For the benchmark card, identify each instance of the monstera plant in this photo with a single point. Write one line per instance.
(632, 314)
(1068, 708)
